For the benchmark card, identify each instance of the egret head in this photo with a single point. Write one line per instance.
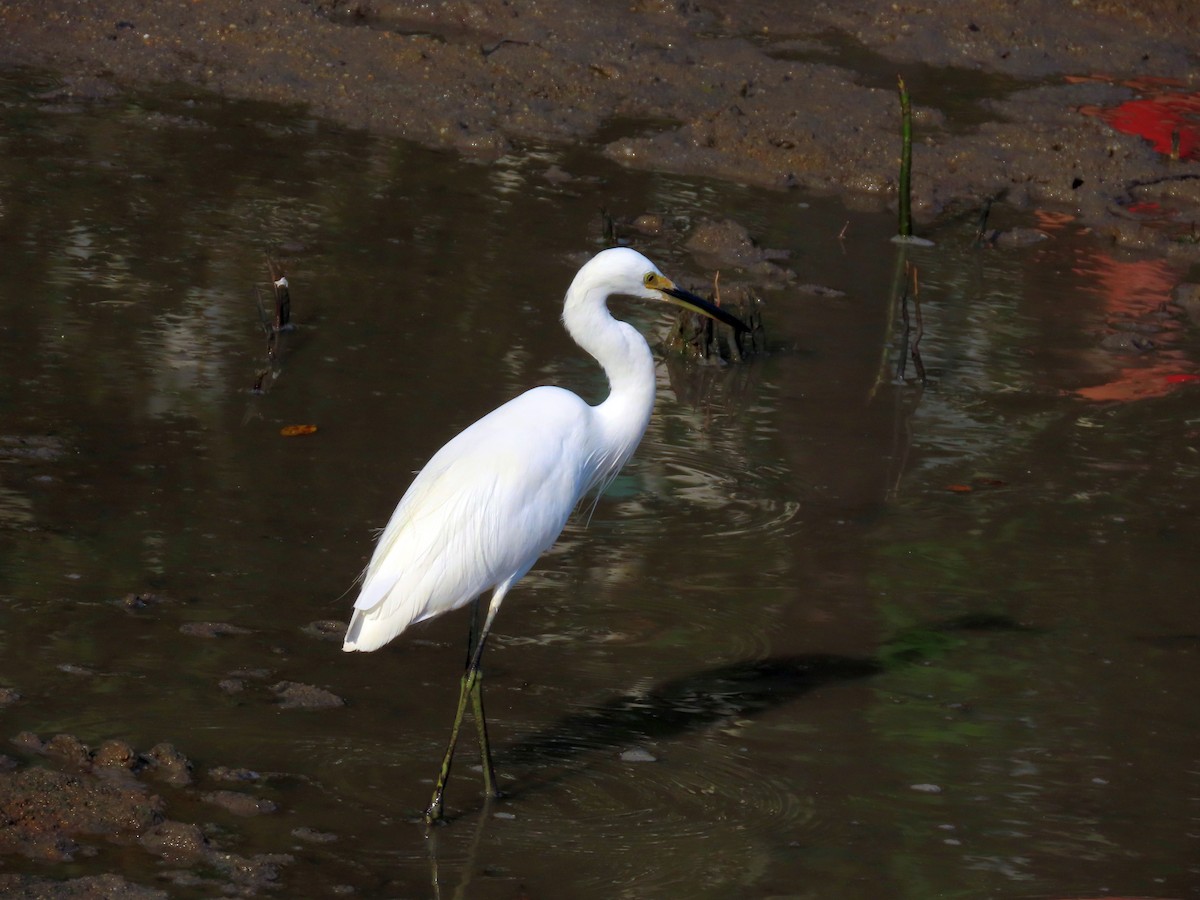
(626, 271)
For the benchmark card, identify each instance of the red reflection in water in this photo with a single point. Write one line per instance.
(1170, 120)
(1133, 291)
(1134, 383)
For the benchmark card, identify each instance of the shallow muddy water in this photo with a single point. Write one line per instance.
(832, 633)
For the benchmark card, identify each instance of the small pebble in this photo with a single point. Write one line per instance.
(312, 835)
(295, 695)
(68, 748)
(927, 788)
(326, 629)
(638, 754)
(27, 740)
(240, 804)
(72, 669)
(211, 629)
(225, 773)
(114, 754)
(169, 764)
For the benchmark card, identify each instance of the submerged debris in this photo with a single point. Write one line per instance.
(276, 317)
(699, 339)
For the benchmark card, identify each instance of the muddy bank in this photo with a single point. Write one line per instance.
(66, 801)
(763, 93)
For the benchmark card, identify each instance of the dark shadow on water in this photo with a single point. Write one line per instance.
(679, 706)
(695, 701)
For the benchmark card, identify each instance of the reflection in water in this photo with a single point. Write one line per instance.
(779, 523)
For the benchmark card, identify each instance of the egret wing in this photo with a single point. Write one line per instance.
(479, 514)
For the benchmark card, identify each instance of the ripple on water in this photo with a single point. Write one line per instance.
(673, 488)
(638, 826)
(649, 790)
(663, 786)
(612, 579)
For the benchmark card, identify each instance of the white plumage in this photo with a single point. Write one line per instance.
(497, 496)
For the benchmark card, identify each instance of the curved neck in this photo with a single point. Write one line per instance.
(628, 363)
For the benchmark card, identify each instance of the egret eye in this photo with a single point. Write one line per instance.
(648, 279)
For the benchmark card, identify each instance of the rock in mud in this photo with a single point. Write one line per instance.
(313, 836)
(295, 695)
(92, 887)
(8, 696)
(1127, 342)
(648, 223)
(30, 447)
(115, 754)
(1012, 238)
(29, 741)
(53, 815)
(73, 669)
(211, 629)
(727, 243)
(326, 629)
(43, 811)
(240, 804)
(69, 749)
(168, 764)
(1187, 297)
(175, 841)
(258, 871)
(638, 754)
(138, 601)
(225, 773)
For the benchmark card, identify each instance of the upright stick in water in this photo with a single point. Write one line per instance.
(496, 497)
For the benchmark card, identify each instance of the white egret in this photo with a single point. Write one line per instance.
(496, 497)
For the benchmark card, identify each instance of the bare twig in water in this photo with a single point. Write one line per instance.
(695, 338)
(916, 344)
(275, 323)
(902, 362)
(283, 304)
(914, 349)
(981, 230)
(842, 233)
(609, 226)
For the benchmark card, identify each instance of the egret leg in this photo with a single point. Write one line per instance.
(471, 688)
(485, 748)
(477, 702)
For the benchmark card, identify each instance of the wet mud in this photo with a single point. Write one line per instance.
(73, 797)
(763, 93)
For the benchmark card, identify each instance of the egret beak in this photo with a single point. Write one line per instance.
(688, 300)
